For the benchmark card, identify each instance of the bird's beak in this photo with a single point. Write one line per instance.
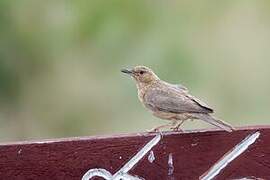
(127, 71)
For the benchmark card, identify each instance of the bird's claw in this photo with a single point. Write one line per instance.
(176, 129)
(154, 130)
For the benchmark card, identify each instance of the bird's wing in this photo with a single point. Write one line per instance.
(180, 87)
(175, 101)
(176, 86)
(201, 103)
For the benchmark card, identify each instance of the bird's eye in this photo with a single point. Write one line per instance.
(141, 72)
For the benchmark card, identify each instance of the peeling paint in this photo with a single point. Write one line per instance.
(170, 165)
(129, 165)
(20, 151)
(151, 157)
(97, 173)
(122, 174)
(230, 156)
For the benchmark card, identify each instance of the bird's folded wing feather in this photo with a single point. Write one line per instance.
(176, 86)
(175, 101)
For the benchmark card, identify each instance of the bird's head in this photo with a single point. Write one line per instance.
(142, 74)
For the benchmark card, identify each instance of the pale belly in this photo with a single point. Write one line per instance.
(172, 116)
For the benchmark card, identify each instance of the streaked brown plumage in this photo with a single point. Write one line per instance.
(170, 101)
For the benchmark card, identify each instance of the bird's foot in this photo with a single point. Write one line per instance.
(153, 130)
(176, 129)
(158, 129)
(176, 126)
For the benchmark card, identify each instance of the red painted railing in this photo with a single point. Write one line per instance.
(213, 154)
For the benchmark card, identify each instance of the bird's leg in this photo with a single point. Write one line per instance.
(177, 126)
(157, 129)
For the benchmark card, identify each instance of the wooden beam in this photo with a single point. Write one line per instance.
(189, 155)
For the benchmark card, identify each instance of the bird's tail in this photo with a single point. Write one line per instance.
(216, 122)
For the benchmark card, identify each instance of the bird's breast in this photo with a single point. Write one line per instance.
(172, 116)
(141, 94)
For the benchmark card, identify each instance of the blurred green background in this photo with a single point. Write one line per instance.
(60, 62)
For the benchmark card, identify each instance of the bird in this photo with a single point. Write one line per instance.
(171, 101)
